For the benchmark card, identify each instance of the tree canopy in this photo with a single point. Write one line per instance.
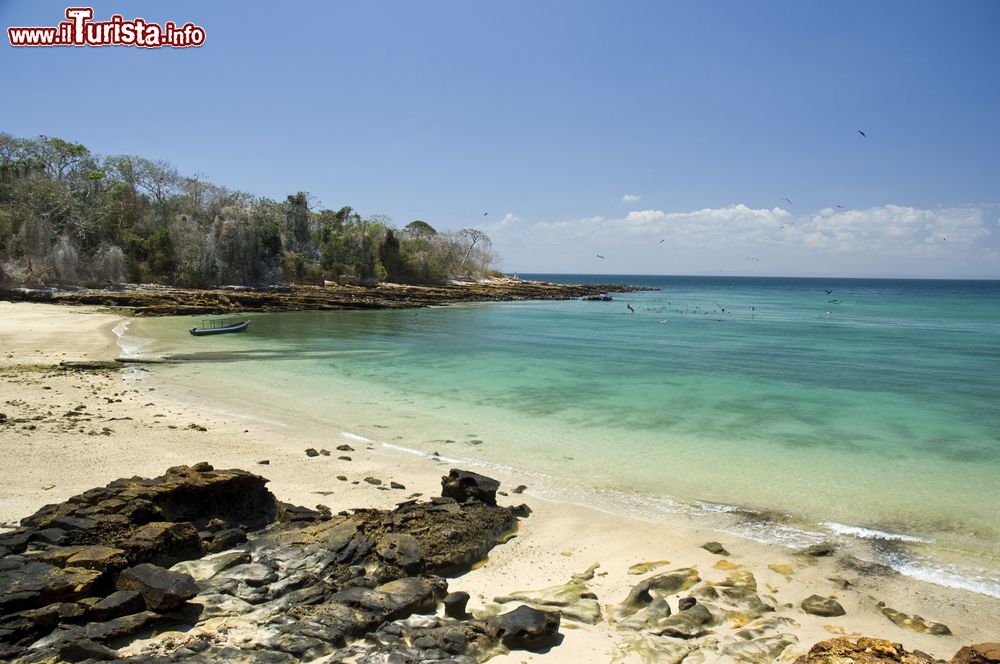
(68, 217)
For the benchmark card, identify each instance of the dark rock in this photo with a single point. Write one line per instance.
(685, 603)
(345, 448)
(526, 628)
(716, 548)
(119, 627)
(264, 462)
(34, 585)
(117, 604)
(396, 485)
(374, 481)
(226, 539)
(160, 588)
(312, 452)
(463, 486)
(343, 458)
(520, 488)
(85, 649)
(822, 606)
(396, 599)
(401, 550)
(454, 605)
(164, 543)
(980, 653)
(818, 550)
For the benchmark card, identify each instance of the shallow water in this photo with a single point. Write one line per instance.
(868, 414)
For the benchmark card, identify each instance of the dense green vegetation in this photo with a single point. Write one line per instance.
(68, 216)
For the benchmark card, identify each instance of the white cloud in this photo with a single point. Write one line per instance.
(884, 239)
(509, 220)
(630, 198)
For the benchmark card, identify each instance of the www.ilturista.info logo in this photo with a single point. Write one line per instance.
(81, 30)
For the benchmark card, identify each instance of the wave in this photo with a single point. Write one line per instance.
(132, 346)
(747, 523)
(871, 533)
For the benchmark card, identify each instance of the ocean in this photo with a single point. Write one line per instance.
(864, 411)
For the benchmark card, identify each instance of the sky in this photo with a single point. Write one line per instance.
(667, 137)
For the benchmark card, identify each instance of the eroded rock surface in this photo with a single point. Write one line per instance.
(92, 573)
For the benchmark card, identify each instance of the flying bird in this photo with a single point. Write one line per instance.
(599, 256)
(841, 207)
(661, 241)
(629, 307)
(828, 291)
(789, 201)
(862, 133)
(485, 213)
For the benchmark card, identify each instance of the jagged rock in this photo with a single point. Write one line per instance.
(85, 649)
(863, 651)
(32, 585)
(980, 653)
(716, 548)
(463, 485)
(311, 581)
(454, 605)
(100, 558)
(117, 604)
(160, 588)
(163, 543)
(312, 452)
(822, 606)
(215, 605)
(573, 600)
(526, 628)
(916, 623)
(401, 550)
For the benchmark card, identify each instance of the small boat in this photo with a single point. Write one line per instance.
(220, 326)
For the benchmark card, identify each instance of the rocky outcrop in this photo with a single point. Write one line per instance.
(863, 651)
(92, 572)
(981, 653)
(151, 300)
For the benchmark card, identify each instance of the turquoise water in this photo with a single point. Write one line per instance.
(766, 407)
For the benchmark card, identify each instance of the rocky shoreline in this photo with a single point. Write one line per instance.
(152, 300)
(84, 578)
(206, 565)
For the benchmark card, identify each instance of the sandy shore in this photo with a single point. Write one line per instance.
(71, 429)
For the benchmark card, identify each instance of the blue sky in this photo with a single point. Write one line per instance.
(582, 128)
